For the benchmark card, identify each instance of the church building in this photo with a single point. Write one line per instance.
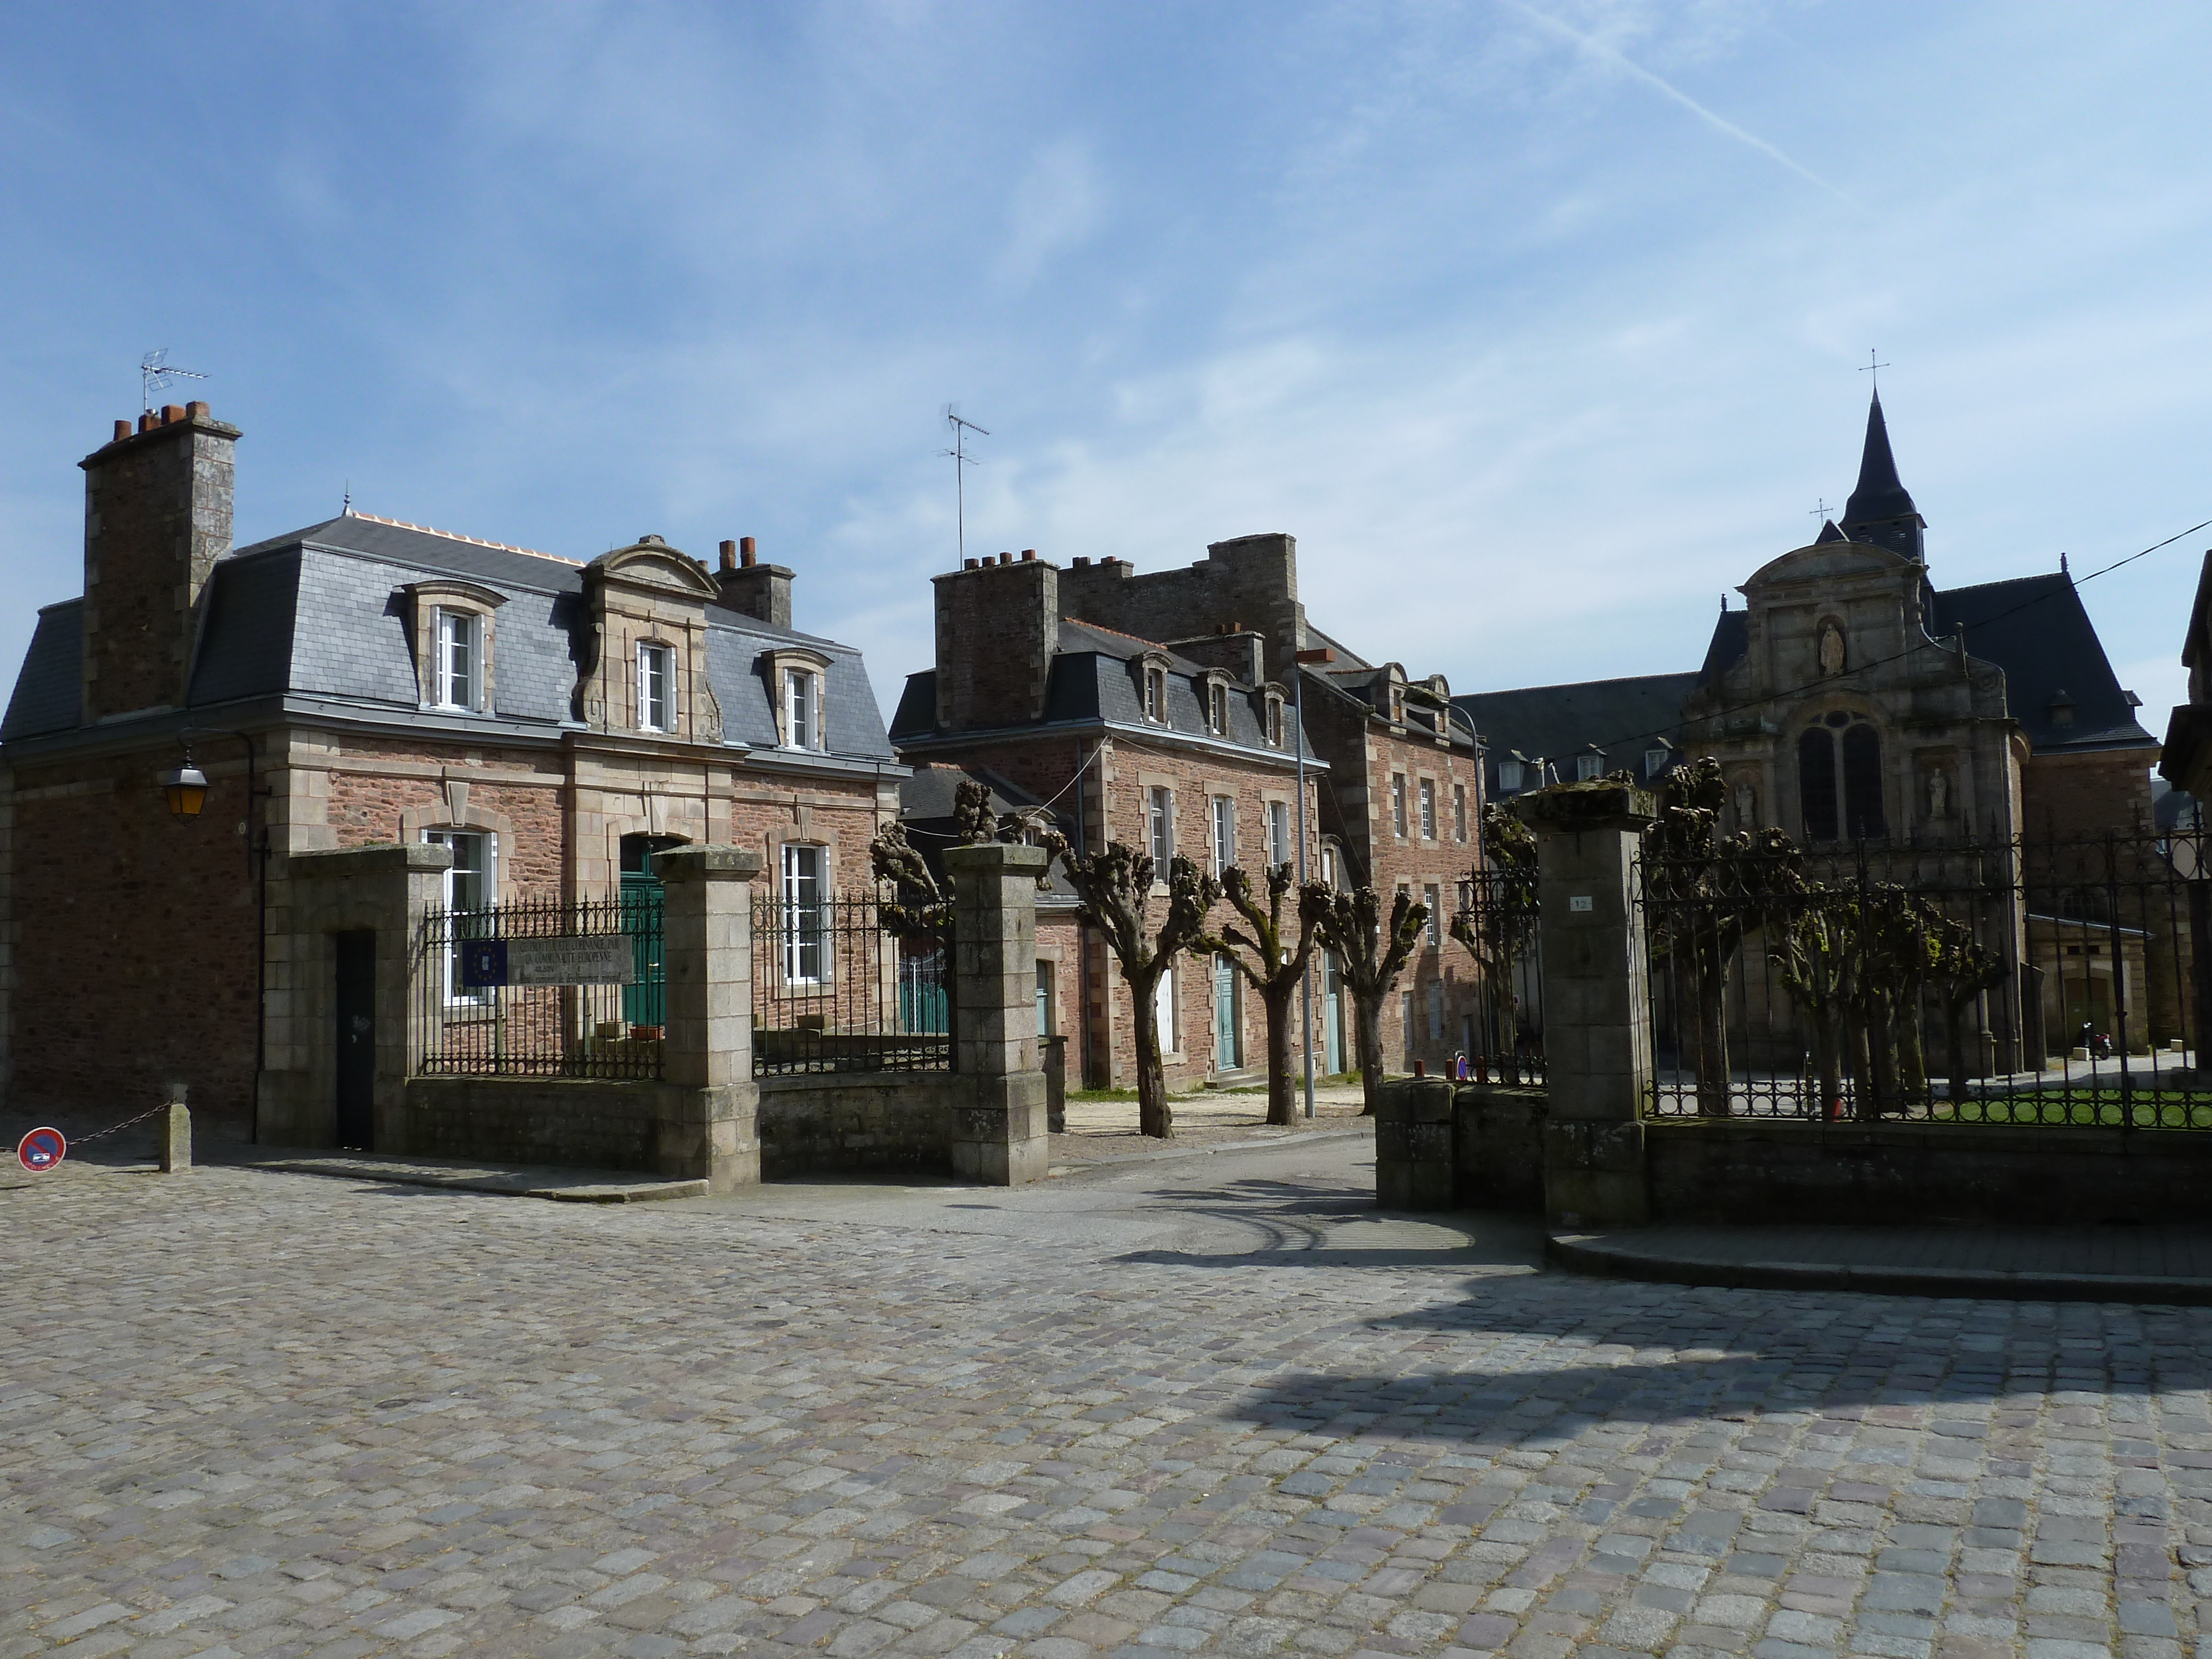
(1850, 699)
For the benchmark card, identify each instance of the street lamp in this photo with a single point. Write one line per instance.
(185, 789)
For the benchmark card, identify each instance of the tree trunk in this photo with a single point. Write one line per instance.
(1912, 1057)
(1154, 1117)
(1370, 1054)
(1863, 1105)
(1282, 1110)
(1713, 1082)
(1828, 1061)
(1955, 1042)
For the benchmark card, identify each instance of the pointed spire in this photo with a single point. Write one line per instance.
(1881, 510)
(1829, 533)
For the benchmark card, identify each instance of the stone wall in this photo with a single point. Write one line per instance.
(2072, 797)
(1901, 1174)
(570, 1122)
(858, 1122)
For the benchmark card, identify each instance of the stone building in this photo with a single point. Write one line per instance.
(1850, 697)
(551, 722)
(1158, 709)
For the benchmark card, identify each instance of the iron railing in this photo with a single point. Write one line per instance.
(467, 1026)
(2051, 982)
(1499, 924)
(833, 992)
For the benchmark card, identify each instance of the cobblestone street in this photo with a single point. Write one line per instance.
(1203, 1405)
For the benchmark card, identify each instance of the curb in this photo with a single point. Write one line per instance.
(642, 1192)
(1577, 1254)
(1075, 1166)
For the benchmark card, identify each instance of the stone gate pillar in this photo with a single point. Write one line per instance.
(1597, 1001)
(999, 1133)
(709, 1103)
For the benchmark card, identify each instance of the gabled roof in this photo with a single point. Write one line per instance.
(2035, 628)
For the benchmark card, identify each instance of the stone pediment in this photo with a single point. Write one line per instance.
(1829, 561)
(655, 565)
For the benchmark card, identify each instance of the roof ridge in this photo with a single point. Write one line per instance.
(456, 536)
(1100, 628)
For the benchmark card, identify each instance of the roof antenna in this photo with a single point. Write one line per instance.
(155, 373)
(961, 460)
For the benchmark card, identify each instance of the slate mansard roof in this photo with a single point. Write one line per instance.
(1090, 683)
(1559, 723)
(316, 617)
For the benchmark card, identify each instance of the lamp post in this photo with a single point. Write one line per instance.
(1305, 984)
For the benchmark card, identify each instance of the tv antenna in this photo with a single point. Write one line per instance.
(155, 373)
(961, 460)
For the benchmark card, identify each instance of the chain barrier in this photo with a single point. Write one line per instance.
(116, 1129)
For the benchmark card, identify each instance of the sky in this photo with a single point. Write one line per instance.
(1541, 324)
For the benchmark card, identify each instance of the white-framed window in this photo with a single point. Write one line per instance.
(1459, 812)
(805, 916)
(457, 675)
(1164, 1011)
(1398, 803)
(1432, 896)
(1216, 708)
(1274, 722)
(468, 885)
(1279, 832)
(1508, 775)
(656, 688)
(1428, 809)
(1586, 767)
(1225, 833)
(1156, 695)
(1655, 761)
(1159, 821)
(802, 709)
(1328, 868)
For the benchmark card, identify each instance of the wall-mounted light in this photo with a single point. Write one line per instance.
(185, 789)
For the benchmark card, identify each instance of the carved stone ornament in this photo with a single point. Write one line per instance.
(1939, 793)
(1747, 807)
(1830, 650)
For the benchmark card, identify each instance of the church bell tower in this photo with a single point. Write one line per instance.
(1881, 510)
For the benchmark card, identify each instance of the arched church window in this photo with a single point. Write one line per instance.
(1840, 783)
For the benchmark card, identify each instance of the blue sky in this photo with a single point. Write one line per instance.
(1537, 323)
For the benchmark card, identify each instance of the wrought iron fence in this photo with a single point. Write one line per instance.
(475, 1017)
(1498, 922)
(2014, 982)
(833, 992)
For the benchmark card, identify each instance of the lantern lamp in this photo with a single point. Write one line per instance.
(186, 790)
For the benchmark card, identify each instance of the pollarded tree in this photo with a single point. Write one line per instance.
(920, 910)
(1268, 966)
(1114, 893)
(1371, 959)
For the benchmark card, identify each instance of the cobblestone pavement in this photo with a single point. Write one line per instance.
(1213, 1405)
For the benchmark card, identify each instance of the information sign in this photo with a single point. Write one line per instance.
(590, 959)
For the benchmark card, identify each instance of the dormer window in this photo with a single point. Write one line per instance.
(457, 669)
(802, 709)
(1508, 775)
(1586, 767)
(1217, 708)
(656, 688)
(1275, 721)
(1156, 694)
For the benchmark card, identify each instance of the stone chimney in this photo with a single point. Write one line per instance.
(752, 588)
(997, 626)
(157, 517)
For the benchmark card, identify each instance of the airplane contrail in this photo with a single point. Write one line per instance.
(1604, 53)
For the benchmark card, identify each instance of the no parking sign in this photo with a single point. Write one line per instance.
(41, 1149)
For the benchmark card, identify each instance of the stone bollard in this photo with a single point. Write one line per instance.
(1414, 1168)
(175, 1129)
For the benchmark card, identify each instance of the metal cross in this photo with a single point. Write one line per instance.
(1823, 510)
(1871, 366)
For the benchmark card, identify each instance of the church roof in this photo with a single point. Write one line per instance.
(2035, 629)
(1562, 722)
(1880, 494)
(1829, 533)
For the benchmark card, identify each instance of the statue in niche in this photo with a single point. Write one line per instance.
(1830, 650)
(1939, 793)
(1747, 807)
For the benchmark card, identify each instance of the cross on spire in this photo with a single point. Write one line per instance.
(1872, 367)
(1821, 509)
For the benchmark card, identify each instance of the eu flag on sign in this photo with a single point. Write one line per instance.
(483, 962)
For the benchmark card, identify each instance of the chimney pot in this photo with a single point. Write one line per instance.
(1005, 558)
(196, 409)
(729, 555)
(146, 421)
(969, 564)
(172, 413)
(122, 430)
(1028, 556)
(747, 553)
(1083, 562)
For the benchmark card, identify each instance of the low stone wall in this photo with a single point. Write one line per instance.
(1922, 1173)
(569, 1122)
(833, 1123)
(1497, 1155)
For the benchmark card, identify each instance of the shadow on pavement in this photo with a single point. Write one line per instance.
(1292, 1223)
